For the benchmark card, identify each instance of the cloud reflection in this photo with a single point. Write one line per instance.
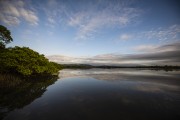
(139, 80)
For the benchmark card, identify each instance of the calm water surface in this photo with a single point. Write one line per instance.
(95, 94)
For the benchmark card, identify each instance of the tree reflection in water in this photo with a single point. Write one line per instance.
(17, 92)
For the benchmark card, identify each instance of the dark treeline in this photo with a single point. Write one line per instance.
(86, 66)
(76, 66)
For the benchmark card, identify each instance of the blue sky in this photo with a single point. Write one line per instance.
(91, 27)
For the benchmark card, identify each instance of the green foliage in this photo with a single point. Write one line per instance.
(59, 66)
(5, 36)
(25, 61)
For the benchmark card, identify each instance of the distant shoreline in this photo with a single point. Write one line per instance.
(86, 66)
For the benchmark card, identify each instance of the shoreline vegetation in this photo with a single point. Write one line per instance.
(26, 62)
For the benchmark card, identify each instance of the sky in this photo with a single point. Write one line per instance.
(96, 31)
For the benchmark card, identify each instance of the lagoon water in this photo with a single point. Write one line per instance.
(96, 94)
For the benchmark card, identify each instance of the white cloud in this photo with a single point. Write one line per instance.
(125, 37)
(10, 20)
(145, 48)
(12, 12)
(29, 16)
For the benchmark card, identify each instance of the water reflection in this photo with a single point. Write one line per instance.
(107, 94)
(16, 92)
(144, 80)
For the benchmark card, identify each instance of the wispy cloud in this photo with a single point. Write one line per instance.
(88, 18)
(167, 34)
(13, 11)
(54, 12)
(161, 35)
(9, 20)
(102, 15)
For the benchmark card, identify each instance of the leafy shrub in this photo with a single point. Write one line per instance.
(25, 61)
